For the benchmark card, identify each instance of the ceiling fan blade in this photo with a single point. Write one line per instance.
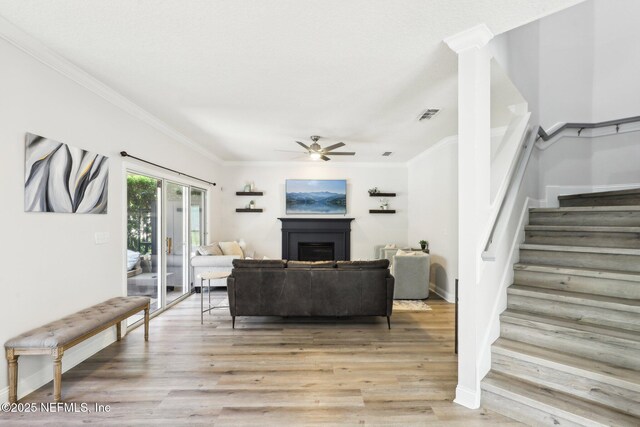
(342, 153)
(325, 158)
(305, 147)
(333, 147)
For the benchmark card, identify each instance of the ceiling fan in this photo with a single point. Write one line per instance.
(316, 152)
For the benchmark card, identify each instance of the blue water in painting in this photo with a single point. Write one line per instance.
(321, 202)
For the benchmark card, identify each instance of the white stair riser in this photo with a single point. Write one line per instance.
(584, 238)
(521, 412)
(614, 218)
(630, 263)
(614, 396)
(580, 313)
(581, 284)
(607, 349)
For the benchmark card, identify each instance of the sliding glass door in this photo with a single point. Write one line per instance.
(177, 240)
(165, 225)
(197, 212)
(144, 236)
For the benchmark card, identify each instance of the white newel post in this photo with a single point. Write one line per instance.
(474, 161)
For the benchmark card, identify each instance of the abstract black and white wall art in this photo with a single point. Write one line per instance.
(62, 178)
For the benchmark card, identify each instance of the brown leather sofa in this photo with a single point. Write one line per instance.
(322, 288)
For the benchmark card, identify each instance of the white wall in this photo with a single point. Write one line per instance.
(577, 65)
(585, 164)
(617, 59)
(262, 231)
(433, 211)
(51, 266)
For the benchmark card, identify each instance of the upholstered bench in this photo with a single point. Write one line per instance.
(56, 337)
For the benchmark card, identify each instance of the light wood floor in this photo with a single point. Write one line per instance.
(271, 372)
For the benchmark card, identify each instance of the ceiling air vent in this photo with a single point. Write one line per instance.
(386, 154)
(430, 113)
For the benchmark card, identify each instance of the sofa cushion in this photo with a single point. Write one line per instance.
(364, 265)
(210, 249)
(259, 263)
(231, 248)
(311, 264)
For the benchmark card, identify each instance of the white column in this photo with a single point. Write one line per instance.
(474, 158)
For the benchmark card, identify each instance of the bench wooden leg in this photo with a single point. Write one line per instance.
(12, 360)
(57, 373)
(119, 331)
(146, 323)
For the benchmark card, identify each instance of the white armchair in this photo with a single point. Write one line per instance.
(412, 276)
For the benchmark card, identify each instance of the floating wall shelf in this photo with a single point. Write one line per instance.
(382, 211)
(248, 210)
(249, 193)
(382, 195)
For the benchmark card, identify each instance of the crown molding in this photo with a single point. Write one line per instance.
(48, 57)
(474, 37)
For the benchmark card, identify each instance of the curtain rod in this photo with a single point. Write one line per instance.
(125, 154)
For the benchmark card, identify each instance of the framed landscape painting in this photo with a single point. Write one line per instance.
(316, 196)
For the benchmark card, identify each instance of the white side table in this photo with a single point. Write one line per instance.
(209, 276)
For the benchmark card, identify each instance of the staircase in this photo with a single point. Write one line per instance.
(569, 346)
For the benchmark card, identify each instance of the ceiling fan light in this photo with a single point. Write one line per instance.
(314, 156)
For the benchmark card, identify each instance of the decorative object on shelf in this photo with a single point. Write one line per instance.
(251, 205)
(375, 192)
(63, 178)
(424, 244)
(247, 188)
(384, 204)
(316, 196)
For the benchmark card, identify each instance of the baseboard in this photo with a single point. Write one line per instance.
(71, 358)
(553, 191)
(443, 293)
(467, 397)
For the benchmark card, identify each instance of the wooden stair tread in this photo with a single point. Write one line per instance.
(595, 370)
(555, 402)
(580, 249)
(600, 194)
(585, 228)
(620, 304)
(549, 323)
(580, 271)
(631, 208)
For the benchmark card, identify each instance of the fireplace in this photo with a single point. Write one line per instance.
(316, 251)
(316, 239)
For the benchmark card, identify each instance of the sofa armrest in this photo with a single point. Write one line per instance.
(390, 287)
(213, 260)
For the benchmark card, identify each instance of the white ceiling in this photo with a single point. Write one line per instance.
(246, 78)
